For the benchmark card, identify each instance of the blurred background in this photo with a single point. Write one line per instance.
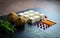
(49, 7)
(7, 6)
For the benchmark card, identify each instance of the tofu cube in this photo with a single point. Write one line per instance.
(26, 12)
(21, 14)
(37, 18)
(26, 16)
(31, 15)
(32, 20)
(31, 11)
(42, 16)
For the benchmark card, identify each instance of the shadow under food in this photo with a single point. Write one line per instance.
(19, 28)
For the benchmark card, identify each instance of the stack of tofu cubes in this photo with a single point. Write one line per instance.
(32, 16)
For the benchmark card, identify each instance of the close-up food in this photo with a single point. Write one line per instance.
(23, 18)
(16, 19)
(20, 21)
(32, 16)
(6, 26)
(12, 17)
(29, 19)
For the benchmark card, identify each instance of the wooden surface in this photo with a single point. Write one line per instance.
(18, 5)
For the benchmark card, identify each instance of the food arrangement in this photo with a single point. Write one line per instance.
(44, 24)
(32, 16)
(16, 19)
(21, 19)
(38, 18)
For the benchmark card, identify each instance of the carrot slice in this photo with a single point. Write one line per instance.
(48, 22)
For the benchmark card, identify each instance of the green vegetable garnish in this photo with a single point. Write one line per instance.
(6, 26)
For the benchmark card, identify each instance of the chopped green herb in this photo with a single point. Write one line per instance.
(6, 26)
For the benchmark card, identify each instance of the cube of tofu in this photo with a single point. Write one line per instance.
(26, 12)
(31, 11)
(26, 16)
(21, 14)
(37, 18)
(36, 13)
(31, 15)
(32, 20)
(42, 16)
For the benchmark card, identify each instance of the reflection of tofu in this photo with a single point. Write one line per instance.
(31, 20)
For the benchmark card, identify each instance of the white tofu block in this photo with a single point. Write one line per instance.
(36, 13)
(26, 16)
(42, 16)
(31, 15)
(31, 11)
(26, 12)
(31, 20)
(37, 18)
(21, 14)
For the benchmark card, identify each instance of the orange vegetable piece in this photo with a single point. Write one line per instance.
(48, 22)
